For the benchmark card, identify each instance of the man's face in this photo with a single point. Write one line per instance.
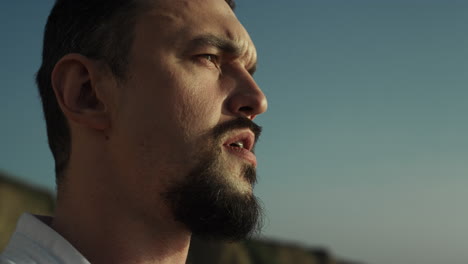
(183, 116)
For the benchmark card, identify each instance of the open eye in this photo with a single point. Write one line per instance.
(209, 57)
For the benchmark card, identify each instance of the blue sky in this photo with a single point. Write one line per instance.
(364, 149)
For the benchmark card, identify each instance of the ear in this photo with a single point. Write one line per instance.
(78, 85)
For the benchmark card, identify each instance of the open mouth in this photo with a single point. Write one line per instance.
(237, 144)
(242, 145)
(243, 140)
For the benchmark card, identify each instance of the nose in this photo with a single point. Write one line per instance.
(246, 98)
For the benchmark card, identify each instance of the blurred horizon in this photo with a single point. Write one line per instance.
(363, 149)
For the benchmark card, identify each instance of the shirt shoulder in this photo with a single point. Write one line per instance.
(34, 242)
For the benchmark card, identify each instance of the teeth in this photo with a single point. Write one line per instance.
(238, 144)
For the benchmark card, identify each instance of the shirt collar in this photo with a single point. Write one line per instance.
(37, 229)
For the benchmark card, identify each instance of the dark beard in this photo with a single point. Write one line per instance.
(208, 205)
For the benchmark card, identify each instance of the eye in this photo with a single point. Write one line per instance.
(209, 57)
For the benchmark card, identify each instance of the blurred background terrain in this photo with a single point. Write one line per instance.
(17, 197)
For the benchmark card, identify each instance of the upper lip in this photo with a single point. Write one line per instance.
(247, 138)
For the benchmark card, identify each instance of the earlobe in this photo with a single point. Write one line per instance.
(76, 83)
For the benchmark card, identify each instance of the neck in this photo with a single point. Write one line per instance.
(103, 236)
(106, 226)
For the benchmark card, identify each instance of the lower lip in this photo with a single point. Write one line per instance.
(243, 153)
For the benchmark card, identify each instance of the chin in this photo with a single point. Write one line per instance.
(238, 183)
(238, 174)
(215, 203)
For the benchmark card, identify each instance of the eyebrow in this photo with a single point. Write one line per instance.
(223, 44)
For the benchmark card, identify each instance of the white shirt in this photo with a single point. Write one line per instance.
(34, 242)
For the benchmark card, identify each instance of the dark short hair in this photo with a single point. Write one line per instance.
(98, 29)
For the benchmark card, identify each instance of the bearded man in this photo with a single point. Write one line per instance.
(149, 107)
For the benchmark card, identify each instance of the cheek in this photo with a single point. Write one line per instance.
(198, 108)
(167, 112)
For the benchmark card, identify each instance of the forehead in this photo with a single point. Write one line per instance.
(179, 21)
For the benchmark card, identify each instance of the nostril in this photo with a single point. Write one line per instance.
(246, 109)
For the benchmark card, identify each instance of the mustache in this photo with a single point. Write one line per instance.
(238, 123)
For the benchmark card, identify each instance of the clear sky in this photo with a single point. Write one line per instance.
(365, 143)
